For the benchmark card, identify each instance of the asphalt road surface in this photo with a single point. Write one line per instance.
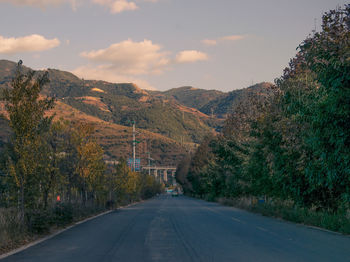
(183, 229)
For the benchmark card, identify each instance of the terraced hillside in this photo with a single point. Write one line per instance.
(123, 103)
(169, 123)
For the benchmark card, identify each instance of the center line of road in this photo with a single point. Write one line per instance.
(237, 220)
(262, 229)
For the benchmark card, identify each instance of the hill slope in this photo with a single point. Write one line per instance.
(121, 104)
(165, 119)
(115, 139)
(192, 97)
(225, 104)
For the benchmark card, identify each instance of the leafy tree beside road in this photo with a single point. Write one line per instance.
(53, 172)
(26, 113)
(293, 146)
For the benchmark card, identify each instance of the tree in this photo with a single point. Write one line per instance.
(90, 165)
(316, 99)
(181, 173)
(26, 111)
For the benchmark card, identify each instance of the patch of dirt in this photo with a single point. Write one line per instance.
(95, 101)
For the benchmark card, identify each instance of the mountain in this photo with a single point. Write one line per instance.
(169, 122)
(225, 104)
(192, 97)
(121, 104)
(165, 127)
(213, 102)
(115, 139)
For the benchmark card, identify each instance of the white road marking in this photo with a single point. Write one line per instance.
(236, 219)
(262, 229)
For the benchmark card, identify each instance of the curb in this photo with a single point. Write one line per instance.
(325, 230)
(36, 242)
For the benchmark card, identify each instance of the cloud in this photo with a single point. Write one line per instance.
(101, 73)
(117, 6)
(213, 42)
(31, 43)
(190, 56)
(127, 60)
(40, 3)
(232, 38)
(210, 42)
(131, 58)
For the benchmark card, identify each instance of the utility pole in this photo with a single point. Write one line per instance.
(149, 163)
(315, 26)
(134, 146)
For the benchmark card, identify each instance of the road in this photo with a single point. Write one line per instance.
(184, 229)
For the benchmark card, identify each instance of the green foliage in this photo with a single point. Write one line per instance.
(294, 145)
(28, 123)
(63, 214)
(38, 221)
(226, 103)
(181, 174)
(132, 186)
(322, 106)
(193, 97)
(53, 173)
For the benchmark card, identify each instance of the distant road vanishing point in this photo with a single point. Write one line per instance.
(184, 229)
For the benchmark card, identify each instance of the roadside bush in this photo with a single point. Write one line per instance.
(11, 229)
(80, 212)
(39, 221)
(63, 214)
(110, 204)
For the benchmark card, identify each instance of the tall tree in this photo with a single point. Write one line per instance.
(26, 111)
(90, 165)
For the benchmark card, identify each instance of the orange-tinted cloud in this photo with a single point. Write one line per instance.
(132, 58)
(31, 43)
(190, 56)
(213, 42)
(117, 6)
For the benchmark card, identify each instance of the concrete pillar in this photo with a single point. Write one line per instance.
(155, 173)
(165, 175)
(173, 177)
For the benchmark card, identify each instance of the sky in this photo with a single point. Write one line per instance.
(160, 44)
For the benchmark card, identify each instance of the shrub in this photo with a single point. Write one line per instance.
(63, 214)
(39, 221)
(11, 228)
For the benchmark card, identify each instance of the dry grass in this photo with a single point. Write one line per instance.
(193, 111)
(12, 232)
(95, 89)
(94, 101)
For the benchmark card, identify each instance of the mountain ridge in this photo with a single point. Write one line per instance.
(185, 115)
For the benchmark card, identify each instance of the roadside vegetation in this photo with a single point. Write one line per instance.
(53, 173)
(287, 154)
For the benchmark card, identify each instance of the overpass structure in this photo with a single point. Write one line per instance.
(165, 174)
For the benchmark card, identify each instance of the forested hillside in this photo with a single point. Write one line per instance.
(192, 97)
(121, 104)
(293, 146)
(184, 115)
(225, 104)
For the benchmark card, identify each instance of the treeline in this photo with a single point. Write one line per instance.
(53, 172)
(292, 145)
